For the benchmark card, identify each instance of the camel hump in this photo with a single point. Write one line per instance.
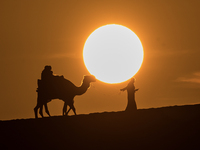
(57, 81)
(60, 81)
(58, 87)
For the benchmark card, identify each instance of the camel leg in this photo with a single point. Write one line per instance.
(35, 110)
(46, 109)
(73, 108)
(39, 105)
(68, 111)
(40, 111)
(64, 108)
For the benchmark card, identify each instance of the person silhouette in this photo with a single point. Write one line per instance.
(45, 87)
(47, 73)
(47, 80)
(131, 105)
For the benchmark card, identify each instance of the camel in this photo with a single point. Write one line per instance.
(63, 89)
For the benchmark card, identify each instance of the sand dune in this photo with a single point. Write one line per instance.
(176, 127)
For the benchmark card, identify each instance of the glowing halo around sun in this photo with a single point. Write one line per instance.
(113, 53)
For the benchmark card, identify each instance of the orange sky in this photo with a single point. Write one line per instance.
(38, 33)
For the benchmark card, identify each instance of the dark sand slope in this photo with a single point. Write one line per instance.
(176, 127)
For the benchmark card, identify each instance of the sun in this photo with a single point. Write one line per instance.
(113, 53)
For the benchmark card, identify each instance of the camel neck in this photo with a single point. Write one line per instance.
(83, 88)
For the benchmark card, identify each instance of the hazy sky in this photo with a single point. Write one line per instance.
(49, 32)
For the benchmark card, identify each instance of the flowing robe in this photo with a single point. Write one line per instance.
(131, 105)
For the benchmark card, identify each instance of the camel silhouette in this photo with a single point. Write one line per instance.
(63, 89)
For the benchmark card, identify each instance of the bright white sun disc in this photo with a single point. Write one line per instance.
(113, 53)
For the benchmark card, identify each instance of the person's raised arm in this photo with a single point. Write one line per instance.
(123, 89)
(136, 90)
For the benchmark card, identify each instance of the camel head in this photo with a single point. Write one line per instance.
(88, 79)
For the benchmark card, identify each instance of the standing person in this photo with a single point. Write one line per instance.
(131, 106)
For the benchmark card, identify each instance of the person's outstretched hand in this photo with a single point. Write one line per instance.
(122, 89)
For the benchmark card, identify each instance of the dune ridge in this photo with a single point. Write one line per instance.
(175, 127)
